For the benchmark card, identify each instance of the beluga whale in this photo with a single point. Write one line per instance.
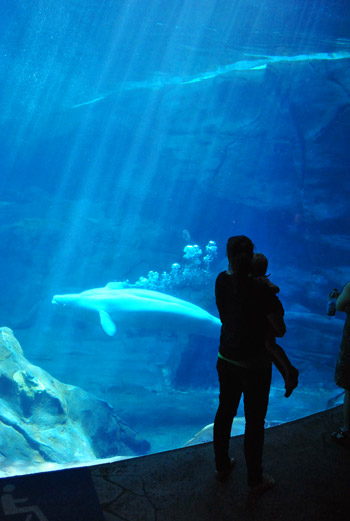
(128, 308)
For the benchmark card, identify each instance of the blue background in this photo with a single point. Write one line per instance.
(130, 129)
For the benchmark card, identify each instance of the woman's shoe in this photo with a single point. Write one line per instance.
(264, 485)
(342, 437)
(222, 475)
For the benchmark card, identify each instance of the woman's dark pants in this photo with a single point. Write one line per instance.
(254, 384)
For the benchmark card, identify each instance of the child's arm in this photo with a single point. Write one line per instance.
(267, 282)
(274, 288)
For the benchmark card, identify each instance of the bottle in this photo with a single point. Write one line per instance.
(332, 298)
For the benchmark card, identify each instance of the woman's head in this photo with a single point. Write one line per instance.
(239, 251)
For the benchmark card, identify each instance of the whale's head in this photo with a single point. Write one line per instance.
(62, 302)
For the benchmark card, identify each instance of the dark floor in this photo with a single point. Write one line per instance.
(312, 480)
(312, 483)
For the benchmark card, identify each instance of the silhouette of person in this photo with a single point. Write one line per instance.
(244, 365)
(342, 370)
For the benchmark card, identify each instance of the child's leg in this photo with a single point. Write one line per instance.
(288, 371)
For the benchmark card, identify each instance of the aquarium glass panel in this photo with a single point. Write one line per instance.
(136, 137)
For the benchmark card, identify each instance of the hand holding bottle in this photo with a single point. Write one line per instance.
(332, 298)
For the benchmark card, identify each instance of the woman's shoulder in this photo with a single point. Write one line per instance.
(224, 276)
(222, 279)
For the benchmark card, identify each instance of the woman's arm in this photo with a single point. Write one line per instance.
(343, 301)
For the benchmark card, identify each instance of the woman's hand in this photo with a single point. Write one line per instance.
(333, 294)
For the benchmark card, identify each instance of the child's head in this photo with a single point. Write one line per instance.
(259, 265)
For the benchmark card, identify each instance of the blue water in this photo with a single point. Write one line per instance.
(131, 130)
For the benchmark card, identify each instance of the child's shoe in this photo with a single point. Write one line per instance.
(291, 380)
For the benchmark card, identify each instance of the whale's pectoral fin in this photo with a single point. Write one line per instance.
(107, 323)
